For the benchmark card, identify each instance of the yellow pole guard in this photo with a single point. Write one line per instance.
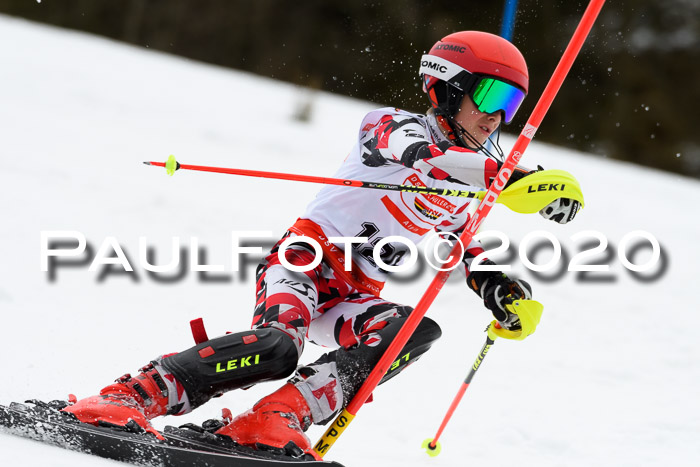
(333, 432)
(532, 193)
(529, 311)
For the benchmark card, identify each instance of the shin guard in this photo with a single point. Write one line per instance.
(231, 362)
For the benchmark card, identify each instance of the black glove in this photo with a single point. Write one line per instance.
(519, 173)
(497, 290)
(561, 210)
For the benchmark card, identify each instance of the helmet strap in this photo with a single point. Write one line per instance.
(459, 136)
(447, 129)
(445, 110)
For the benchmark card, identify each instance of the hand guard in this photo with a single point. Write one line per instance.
(562, 210)
(497, 289)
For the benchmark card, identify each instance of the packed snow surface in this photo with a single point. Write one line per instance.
(610, 378)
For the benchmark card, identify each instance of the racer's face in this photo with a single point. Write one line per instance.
(479, 124)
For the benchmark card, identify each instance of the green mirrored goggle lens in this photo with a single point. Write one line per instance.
(492, 95)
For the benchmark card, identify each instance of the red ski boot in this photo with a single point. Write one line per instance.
(274, 422)
(128, 403)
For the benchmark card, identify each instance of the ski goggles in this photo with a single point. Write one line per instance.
(491, 95)
(488, 93)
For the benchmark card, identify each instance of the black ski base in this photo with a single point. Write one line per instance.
(188, 446)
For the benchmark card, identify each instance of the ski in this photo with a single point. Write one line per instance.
(188, 446)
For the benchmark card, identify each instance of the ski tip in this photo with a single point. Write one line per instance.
(432, 448)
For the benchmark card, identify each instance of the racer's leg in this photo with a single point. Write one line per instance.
(178, 383)
(363, 326)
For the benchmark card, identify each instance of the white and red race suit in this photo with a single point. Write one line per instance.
(335, 308)
(400, 148)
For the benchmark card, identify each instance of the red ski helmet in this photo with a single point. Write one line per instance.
(486, 67)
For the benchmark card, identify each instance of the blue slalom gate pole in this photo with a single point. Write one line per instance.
(507, 27)
(508, 23)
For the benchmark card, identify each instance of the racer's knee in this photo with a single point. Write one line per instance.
(427, 332)
(362, 358)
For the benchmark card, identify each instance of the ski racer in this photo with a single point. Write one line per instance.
(475, 82)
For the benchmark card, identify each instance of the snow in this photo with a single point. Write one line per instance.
(610, 378)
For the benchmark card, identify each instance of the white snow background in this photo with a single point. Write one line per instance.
(611, 377)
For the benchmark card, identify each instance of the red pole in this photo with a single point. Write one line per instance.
(432, 445)
(264, 174)
(543, 104)
(453, 406)
(315, 179)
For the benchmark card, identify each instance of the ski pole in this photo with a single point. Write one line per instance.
(172, 165)
(346, 416)
(432, 445)
(529, 312)
(518, 197)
